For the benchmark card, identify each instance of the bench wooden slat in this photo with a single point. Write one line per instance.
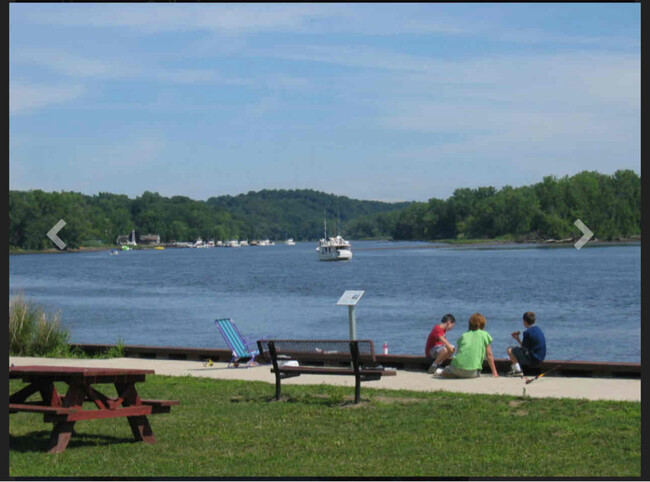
(160, 406)
(131, 411)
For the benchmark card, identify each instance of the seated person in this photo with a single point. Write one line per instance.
(473, 347)
(437, 347)
(531, 351)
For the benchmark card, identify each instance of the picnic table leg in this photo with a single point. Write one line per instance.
(141, 429)
(139, 424)
(21, 395)
(60, 436)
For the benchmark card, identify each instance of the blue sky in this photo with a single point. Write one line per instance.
(387, 102)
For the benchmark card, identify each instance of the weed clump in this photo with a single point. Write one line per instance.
(33, 332)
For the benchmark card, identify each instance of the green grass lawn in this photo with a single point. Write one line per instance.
(234, 429)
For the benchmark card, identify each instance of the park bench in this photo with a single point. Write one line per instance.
(355, 358)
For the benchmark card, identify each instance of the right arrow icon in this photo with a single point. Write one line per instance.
(586, 234)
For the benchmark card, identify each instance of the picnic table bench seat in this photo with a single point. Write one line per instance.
(359, 353)
(38, 408)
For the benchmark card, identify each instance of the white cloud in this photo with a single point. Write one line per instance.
(196, 76)
(25, 97)
(262, 106)
(540, 36)
(186, 17)
(68, 64)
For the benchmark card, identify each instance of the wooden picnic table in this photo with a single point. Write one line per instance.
(63, 410)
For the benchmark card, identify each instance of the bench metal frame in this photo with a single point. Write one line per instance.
(360, 353)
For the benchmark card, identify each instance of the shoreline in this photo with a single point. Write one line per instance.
(82, 249)
(445, 243)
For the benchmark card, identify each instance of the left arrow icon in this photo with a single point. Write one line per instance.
(52, 234)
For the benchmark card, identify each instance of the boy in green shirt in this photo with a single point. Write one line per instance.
(473, 348)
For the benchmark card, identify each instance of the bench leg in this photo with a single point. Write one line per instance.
(60, 436)
(141, 429)
(357, 388)
(278, 386)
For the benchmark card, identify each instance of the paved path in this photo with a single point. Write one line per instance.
(556, 387)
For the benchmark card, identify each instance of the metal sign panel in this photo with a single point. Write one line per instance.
(350, 298)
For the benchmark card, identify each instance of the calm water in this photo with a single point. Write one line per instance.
(587, 301)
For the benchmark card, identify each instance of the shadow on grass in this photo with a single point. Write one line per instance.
(40, 441)
(315, 399)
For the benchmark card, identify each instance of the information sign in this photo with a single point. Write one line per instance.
(350, 298)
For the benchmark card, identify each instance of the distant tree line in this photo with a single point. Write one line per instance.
(610, 205)
(100, 219)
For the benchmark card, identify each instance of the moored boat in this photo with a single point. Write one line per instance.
(333, 249)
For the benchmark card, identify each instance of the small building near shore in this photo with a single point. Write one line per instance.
(127, 239)
(149, 239)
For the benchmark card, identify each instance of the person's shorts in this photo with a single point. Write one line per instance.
(451, 370)
(435, 351)
(523, 356)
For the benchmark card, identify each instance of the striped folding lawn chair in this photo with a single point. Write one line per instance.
(239, 345)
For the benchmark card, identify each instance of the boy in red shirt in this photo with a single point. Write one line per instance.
(438, 348)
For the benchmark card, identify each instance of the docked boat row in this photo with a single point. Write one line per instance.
(232, 243)
(329, 248)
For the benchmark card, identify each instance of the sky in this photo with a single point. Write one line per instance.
(386, 101)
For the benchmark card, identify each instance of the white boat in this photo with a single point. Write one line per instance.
(199, 244)
(233, 243)
(290, 242)
(334, 249)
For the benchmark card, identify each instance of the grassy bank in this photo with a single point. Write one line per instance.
(233, 429)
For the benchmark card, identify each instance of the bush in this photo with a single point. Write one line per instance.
(32, 332)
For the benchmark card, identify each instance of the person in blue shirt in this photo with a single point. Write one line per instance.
(531, 350)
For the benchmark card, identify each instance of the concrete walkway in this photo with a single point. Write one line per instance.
(556, 387)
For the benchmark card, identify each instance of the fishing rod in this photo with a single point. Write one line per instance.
(530, 380)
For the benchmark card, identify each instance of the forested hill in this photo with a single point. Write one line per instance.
(100, 219)
(298, 214)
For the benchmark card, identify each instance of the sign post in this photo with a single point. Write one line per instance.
(350, 299)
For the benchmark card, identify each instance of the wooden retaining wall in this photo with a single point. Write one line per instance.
(403, 362)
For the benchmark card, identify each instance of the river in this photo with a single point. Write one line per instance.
(587, 301)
